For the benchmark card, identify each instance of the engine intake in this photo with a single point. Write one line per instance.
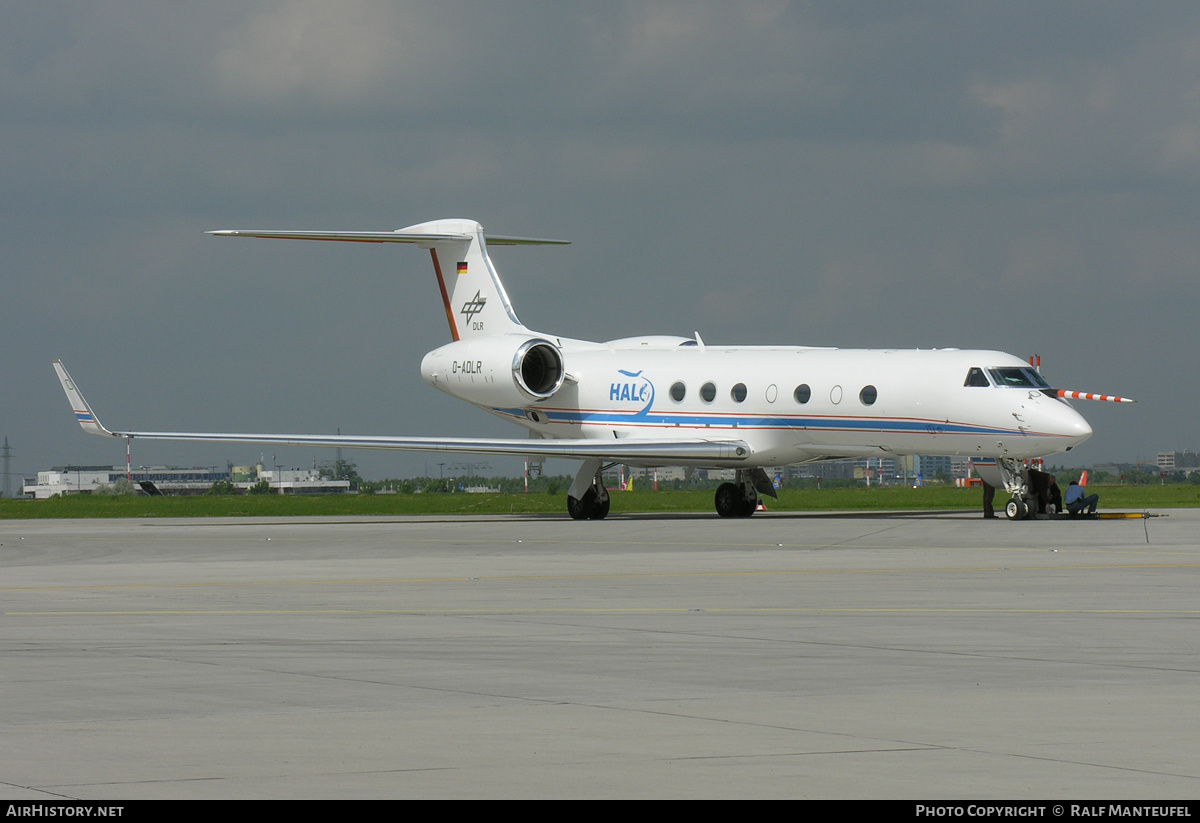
(538, 369)
(505, 371)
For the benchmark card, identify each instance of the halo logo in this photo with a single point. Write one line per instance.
(634, 389)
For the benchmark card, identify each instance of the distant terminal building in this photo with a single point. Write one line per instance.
(907, 470)
(178, 481)
(646, 478)
(1170, 461)
(884, 471)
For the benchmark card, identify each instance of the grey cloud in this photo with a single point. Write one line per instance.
(1018, 176)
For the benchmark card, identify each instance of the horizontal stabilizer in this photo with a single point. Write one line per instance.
(458, 250)
(399, 236)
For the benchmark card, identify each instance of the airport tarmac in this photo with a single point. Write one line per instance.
(933, 656)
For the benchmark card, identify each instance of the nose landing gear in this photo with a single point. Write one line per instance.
(1033, 491)
(1017, 509)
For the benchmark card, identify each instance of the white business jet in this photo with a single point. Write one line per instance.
(675, 401)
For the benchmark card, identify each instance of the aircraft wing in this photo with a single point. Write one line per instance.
(667, 452)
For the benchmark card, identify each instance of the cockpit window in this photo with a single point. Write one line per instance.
(976, 377)
(1018, 378)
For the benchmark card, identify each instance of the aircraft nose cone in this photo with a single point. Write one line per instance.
(1073, 425)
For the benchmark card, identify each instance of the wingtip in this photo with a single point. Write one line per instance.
(84, 415)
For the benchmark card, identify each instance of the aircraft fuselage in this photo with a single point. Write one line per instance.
(789, 404)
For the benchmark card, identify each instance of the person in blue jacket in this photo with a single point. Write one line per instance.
(1076, 499)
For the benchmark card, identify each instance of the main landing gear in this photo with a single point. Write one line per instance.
(592, 506)
(733, 501)
(587, 499)
(740, 498)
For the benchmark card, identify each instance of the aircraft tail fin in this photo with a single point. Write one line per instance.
(474, 298)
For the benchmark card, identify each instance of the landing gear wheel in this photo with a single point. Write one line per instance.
(591, 507)
(1017, 509)
(731, 501)
(575, 508)
(728, 500)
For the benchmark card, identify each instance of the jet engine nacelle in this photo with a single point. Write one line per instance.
(506, 371)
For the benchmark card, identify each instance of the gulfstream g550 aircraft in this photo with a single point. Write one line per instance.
(674, 401)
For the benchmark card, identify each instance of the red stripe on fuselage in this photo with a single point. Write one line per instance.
(437, 267)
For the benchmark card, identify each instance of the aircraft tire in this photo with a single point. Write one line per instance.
(749, 506)
(1016, 509)
(575, 508)
(589, 506)
(582, 508)
(600, 510)
(728, 500)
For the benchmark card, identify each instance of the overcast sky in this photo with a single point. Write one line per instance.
(1017, 176)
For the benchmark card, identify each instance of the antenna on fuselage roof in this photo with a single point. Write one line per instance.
(699, 342)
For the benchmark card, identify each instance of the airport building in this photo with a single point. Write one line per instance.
(907, 470)
(887, 471)
(178, 481)
(1170, 461)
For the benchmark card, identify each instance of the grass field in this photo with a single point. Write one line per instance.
(862, 499)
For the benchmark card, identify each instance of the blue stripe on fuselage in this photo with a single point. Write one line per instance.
(714, 420)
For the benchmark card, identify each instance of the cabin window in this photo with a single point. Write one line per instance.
(976, 377)
(802, 394)
(678, 391)
(708, 392)
(738, 392)
(868, 395)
